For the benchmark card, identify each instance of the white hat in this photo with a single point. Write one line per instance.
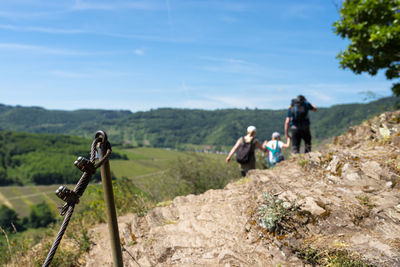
(251, 129)
(275, 135)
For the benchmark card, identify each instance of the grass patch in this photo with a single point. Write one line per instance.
(332, 258)
(164, 203)
(244, 180)
(365, 201)
(131, 168)
(301, 161)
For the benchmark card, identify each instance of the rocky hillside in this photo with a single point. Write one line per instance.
(337, 206)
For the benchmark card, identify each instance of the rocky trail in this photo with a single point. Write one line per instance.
(341, 201)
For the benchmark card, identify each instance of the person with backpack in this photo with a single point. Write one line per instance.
(244, 148)
(275, 149)
(297, 119)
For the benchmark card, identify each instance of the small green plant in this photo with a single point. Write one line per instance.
(199, 173)
(302, 161)
(274, 212)
(81, 238)
(331, 258)
(244, 180)
(343, 258)
(309, 255)
(365, 201)
(164, 203)
(67, 257)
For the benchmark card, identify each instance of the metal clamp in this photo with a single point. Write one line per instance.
(85, 165)
(67, 195)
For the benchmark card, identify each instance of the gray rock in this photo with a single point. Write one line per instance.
(310, 205)
(372, 169)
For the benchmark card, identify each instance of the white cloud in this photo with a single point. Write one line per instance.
(231, 65)
(168, 4)
(228, 19)
(86, 31)
(107, 5)
(39, 49)
(68, 74)
(234, 6)
(139, 52)
(200, 104)
(24, 15)
(279, 96)
(89, 73)
(155, 38)
(301, 10)
(40, 29)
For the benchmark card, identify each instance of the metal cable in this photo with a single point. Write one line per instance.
(68, 208)
(60, 235)
(125, 250)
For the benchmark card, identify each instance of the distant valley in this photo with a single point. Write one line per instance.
(176, 128)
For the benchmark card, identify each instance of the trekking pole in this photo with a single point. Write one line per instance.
(102, 149)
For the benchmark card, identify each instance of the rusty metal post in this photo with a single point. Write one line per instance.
(110, 207)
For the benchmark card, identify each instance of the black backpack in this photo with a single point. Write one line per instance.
(299, 110)
(243, 153)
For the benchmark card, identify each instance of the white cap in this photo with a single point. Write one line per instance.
(251, 129)
(275, 135)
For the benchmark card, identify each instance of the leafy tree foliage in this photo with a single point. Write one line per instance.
(201, 173)
(8, 218)
(42, 158)
(41, 215)
(373, 28)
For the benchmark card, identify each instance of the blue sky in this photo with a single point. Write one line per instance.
(139, 55)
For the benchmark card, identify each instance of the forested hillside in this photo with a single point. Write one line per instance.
(40, 120)
(169, 127)
(27, 158)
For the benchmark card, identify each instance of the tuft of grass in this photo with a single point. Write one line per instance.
(274, 213)
(309, 255)
(332, 258)
(365, 201)
(164, 203)
(244, 180)
(301, 161)
(167, 222)
(65, 256)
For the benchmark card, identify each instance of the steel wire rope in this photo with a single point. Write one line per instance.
(78, 191)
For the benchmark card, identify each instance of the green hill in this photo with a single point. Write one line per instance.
(54, 166)
(29, 158)
(170, 127)
(40, 120)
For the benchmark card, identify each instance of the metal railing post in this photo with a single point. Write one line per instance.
(110, 208)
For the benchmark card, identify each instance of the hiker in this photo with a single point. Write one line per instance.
(297, 118)
(244, 148)
(274, 148)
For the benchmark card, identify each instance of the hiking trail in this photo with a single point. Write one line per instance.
(348, 195)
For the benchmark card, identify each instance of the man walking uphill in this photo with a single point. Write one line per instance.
(297, 118)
